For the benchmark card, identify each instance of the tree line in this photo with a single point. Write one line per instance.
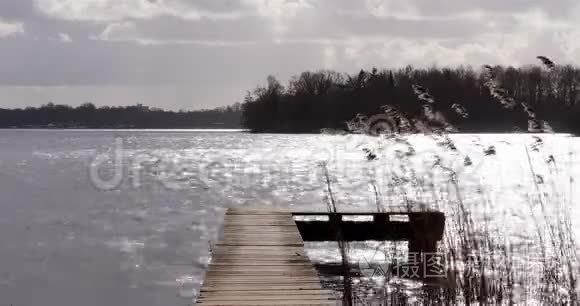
(137, 116)
(327, 99)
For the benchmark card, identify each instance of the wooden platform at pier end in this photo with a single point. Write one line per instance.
(261, 261)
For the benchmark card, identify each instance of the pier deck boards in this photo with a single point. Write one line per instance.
(261, 261)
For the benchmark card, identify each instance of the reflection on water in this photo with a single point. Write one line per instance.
(146, 241)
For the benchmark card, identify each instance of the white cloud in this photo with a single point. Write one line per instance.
(280, 12)
(568, 37)
(64, 37)
(277, 14)
(118, 31)
(392, 8)
(118, 10)
(259, 37)
(330, 57)
(10, 28)
(128, 31)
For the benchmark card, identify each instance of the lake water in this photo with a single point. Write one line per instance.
(125, 217)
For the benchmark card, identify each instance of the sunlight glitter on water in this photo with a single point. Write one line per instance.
(137, 237)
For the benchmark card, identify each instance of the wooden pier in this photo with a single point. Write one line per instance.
(260, 259)
(419, 226)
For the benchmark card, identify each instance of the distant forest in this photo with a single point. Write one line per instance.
(491, 99)
(138, 116)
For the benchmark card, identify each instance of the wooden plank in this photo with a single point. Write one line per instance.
(254, 263)
(252, 254)
(259, 269)
(267, 303)
(278, 218)
(273, 297)
(261, 261)
(264, 258)
(265, 261)
(251, 242)
(259, 229)
(265, 292)
(280, 246)
(261, 280)
(270, 237)
(260, 274)
(245, 287)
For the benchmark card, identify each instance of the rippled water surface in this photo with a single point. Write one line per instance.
(126, 217)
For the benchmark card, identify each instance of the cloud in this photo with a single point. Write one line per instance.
(118, 10)
(280, 12)
(64, 37)
(236, 43)
(10, 28)
(128, 31)
(118, 31)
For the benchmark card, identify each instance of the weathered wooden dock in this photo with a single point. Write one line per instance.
(419, 226)
(261, 261)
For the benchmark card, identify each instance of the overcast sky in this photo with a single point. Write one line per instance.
(194, 54)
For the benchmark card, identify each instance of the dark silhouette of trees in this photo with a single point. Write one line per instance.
(137, 116)
(327, 99)
(313, 101)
